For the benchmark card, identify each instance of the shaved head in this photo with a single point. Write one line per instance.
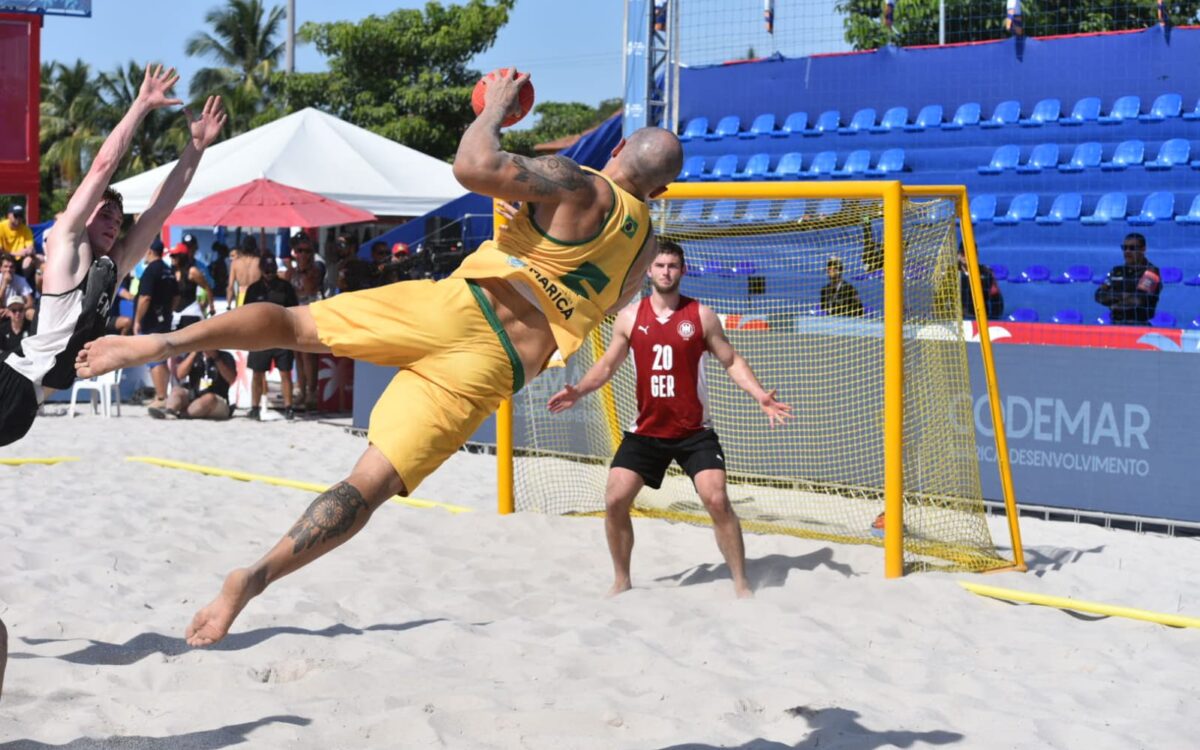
(652, 158)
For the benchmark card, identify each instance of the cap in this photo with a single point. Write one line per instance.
(400, 248)
(157, 245)
(190, 240)
(180, 249)
(17, 209)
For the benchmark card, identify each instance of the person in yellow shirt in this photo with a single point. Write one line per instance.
(16, 239)
(578, 249)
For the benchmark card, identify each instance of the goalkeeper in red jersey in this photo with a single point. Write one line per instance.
(669, 335)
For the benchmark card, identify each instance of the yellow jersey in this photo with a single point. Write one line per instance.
(573, 282)
(11, 239)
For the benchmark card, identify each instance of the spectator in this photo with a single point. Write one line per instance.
(205, 391)
(343, 253)
(156, 297)
(1131, 290)
(16, 239)
(16, 297)
(271, 288)
(118, 324)
(195, 294)
(987, 280)
(219, 270)
(839, 297)
(356, 274)
(379, 254)
(243, 270)
(306, 277)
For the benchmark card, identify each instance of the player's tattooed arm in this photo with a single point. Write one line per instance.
(549, 175)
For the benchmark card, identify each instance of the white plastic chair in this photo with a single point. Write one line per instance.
(104, 388)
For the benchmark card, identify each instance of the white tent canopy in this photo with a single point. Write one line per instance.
(314, 151)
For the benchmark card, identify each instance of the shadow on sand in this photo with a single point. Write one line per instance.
(209, 739)
(765, 572)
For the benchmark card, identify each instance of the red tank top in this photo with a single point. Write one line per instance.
(671, 396)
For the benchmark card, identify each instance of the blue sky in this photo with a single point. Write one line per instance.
(571, 47)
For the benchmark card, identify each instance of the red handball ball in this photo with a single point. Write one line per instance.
(524, 98)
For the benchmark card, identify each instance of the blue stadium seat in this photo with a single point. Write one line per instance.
(1005, 157)
(763, 125)
(1171, 274)
(724, 169)
(930, 116)
(1195, 322)
(1193, 214)
(727, 127)
(1100, 278)
(697, 127)
(1159, 205)
(1077, 274)
(1194, 114)
(983, 207)
(1128, 153)
(857, 163)
(1047, 110)
(722, 212)
(796, 123)
(1000, 271)
(1086, 109)
(890, 161)
(693, 167)
(1005, 113)
(966, 114)
(1194, 281)
(1124, 108)
(1068, 316)
(692, 211)
(864, 120)
(1023, 315)
(1111, 206)
(1167, 105)
(788, 167)
(1164, 320)
(758, 212)
(1032, 274)
(1066, 207)
(894, 119)
(1104, 318)
(1086, 156)
(827, 122)
(1171, 153)
(828, 207)
(793, 210)
(823, 164)
(1043, 156)
(757, 167)
(1023, 208)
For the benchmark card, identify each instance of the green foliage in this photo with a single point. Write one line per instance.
(557, 120)
(403, 75)
(916, 21)
(244, 41)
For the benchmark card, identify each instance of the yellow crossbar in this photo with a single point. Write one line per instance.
(1076, 605)
(280, 481)
(23, 461)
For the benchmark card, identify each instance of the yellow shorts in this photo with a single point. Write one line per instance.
(456, 365)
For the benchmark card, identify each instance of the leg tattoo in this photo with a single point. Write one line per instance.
(332, 514)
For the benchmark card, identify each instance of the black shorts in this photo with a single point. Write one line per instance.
(261, 361)
(649, 456)
(18, 405)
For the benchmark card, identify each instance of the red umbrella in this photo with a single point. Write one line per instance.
(263, 203)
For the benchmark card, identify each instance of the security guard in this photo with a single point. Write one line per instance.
(1131, 290)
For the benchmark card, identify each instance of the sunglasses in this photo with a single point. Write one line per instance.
(1131, 248)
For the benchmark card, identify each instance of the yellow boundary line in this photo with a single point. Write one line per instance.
(46, 461)
(281, 482)
(1077, 605)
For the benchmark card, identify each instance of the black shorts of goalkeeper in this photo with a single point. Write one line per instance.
(18, 405)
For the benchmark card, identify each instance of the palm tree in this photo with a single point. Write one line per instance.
(243, 42)
(72, 127)
(162, 134)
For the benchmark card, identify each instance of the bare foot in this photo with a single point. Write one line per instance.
(118, 352)
(619, 587)
(211, 623)
(743, 591)
(3, 653)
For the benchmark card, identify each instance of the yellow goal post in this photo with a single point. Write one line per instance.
(900, 436)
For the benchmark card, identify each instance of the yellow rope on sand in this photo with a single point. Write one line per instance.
(1077, 605)
(280, 481)
(23, 461)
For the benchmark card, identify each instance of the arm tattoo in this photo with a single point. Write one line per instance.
(330, 515)
(548, 175)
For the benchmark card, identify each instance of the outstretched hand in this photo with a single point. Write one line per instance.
(156, 87)
(777, 412)
(503, 91)
(564, 399)
(207, 127)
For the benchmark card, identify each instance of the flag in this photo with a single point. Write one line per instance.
(660, 15)
(1164, 18)
(1013, 23)
(769, 15)
(889, 12)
